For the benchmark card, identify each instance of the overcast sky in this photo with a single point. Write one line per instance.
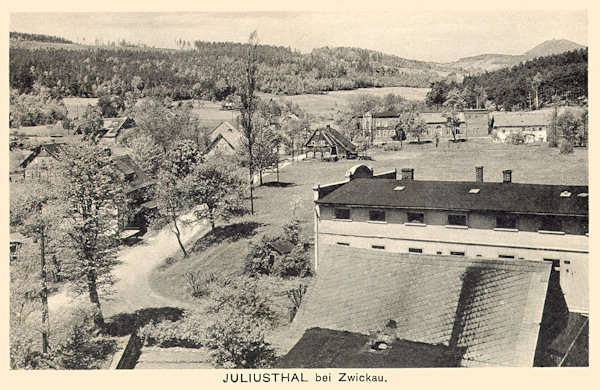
(423, 35)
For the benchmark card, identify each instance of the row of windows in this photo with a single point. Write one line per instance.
(503, 221)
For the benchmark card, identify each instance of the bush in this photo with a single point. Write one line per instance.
(294, 263)
(197, 283)
(238, 340)
(392, 146)
(187, 332)
(259, 260)
(566, 147)
(515, 139)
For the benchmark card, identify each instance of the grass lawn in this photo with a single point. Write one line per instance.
(223, 253)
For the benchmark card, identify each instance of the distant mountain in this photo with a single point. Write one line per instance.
(553, 46)
(491, 62)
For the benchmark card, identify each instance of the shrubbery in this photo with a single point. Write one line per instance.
(515, 139)
(232, 323)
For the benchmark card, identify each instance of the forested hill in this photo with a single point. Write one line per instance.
(206, 70)
(561, 78)
(17, 36)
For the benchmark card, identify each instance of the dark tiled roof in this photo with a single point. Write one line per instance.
(334, 138)
(327, 348)
(53, 150)
(135, 176)
(450, 195)
(112, 126)
(491, 307)
(519, 119)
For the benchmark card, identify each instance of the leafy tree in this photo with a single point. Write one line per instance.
(248, 85)
(238, 319)
(411, 124)
(147, 154)
(215, 189)
(36, 210)
(111, 106)
(452, 122)
(572, 130)
(171, 193)
(90, 122)
(93, 197)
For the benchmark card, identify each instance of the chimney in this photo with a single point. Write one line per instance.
(408, 174)
(479, 174)
(507, 176)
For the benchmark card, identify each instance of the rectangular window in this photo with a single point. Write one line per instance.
(457, 253)
(506, 256)
(377, 246)
(377, 215)
(551, 223)
(506, 222)
(457, 220)
(415, 217)
(344, 243)
(342, 213)
(415, 250)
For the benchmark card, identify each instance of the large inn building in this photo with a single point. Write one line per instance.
(488, 220)
(494, 272)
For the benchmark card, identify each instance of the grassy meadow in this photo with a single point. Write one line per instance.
(223, 253)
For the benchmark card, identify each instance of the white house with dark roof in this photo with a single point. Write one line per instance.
(533, 126)
(474, 219)
(477, 265)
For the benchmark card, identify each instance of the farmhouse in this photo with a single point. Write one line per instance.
(532, 126)
(225, 138)
(379, 127)
(474, 264)
(41, 164)
(330, 141)
(436, 123)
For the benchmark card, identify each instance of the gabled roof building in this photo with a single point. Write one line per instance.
(225, 138)
(328, 140)
(463, 264)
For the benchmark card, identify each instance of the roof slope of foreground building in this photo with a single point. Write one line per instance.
(135, 176)
(326, 348)
(491, 307)
(422, 194)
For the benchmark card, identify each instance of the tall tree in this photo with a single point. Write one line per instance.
(452, 122)
(248, 84)
(37, 212)
(93, 195)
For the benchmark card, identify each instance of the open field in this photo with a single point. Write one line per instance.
(325, 105)
(273, 202)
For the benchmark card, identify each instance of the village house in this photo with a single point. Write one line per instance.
(436, 124)
(330, 143)
(532, 126)
(476, 265)
(379, 127)
(225, 139)
(41, 165)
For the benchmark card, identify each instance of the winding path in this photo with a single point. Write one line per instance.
(132, 290)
